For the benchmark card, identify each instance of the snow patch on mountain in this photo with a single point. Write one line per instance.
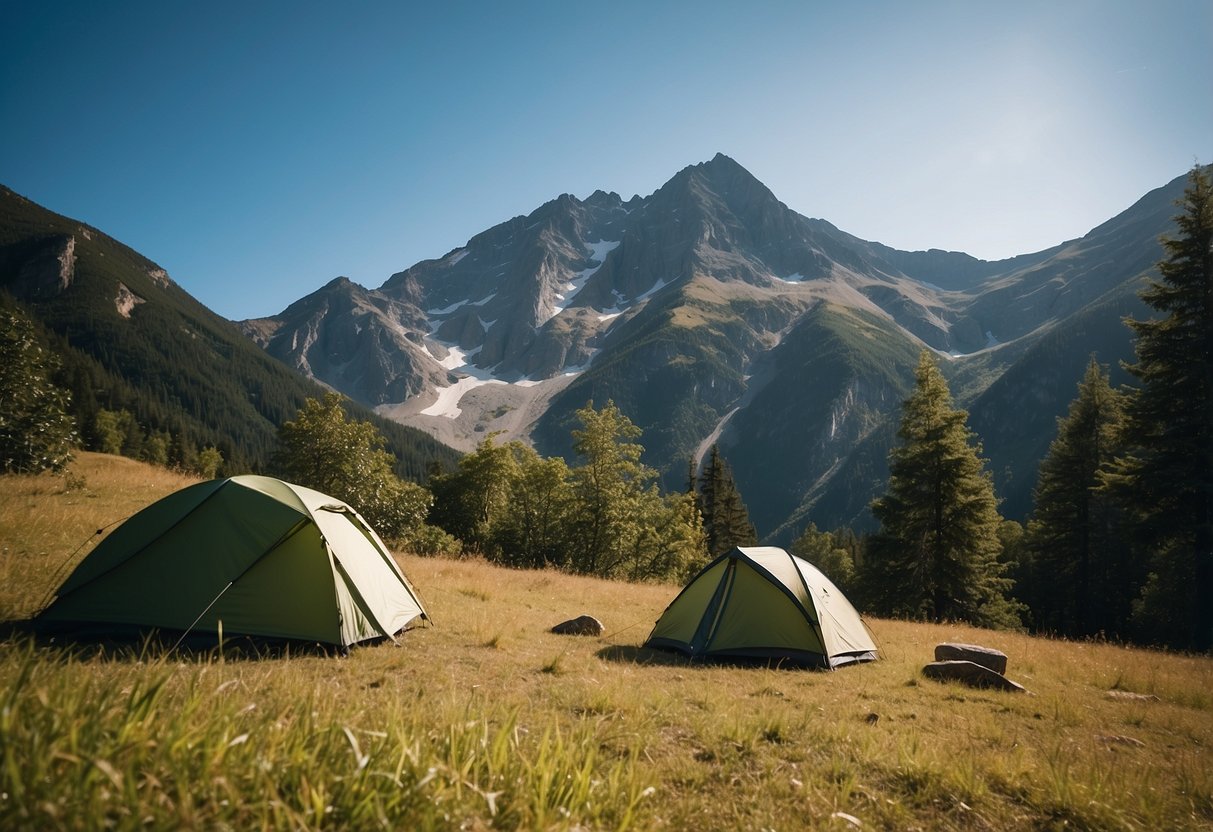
(657, 287)
(570, 290)
(457, 360)
(447, 404)
(446, 310)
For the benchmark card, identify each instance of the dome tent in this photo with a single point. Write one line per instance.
(246, 556)
(760, 603)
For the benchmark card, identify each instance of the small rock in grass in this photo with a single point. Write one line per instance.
(582, 625)
(996, 660)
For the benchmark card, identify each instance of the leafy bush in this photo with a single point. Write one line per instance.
(36, 432)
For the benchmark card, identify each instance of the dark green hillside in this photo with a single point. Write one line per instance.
(133, 340)
(1016, 417)
(836, 377)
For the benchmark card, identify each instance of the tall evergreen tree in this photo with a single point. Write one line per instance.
(1078, 579)
(1167, 470)
(726, 521)
(937, 551)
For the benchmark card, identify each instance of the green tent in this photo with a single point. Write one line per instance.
(761, 603)
(245, 556)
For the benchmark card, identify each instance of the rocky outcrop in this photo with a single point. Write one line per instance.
(159, 277)
(47, 269)
(126, 300)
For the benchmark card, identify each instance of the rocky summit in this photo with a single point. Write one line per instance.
(710, 312)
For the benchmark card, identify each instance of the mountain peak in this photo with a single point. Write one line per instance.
(340, 282)
(722, 160)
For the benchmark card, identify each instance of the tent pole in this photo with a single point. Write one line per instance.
(204, 612)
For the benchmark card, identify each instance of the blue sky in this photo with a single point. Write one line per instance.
(257, 150)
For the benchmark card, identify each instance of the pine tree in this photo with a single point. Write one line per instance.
(1078, 580)
(36, 432)
(1167, 471)
(726, 521)
(937, 551)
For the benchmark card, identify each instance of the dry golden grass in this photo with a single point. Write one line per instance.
(44, 519)
(487, 720)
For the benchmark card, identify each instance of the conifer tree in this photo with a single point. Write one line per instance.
(1167, 470)
(1078, 579)
(726, 521)
(937, 551)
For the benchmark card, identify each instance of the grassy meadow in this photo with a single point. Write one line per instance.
(486, 720)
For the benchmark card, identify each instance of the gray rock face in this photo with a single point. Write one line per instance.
(355, 340)
(582, 625)
(971, 674)
(47, 270)
(996, 660)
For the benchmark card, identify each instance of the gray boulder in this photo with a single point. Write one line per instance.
(971, 674)
(582, 625)
(996, 660)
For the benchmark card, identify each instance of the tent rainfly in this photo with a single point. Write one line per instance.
(246, 556)
(760, 603)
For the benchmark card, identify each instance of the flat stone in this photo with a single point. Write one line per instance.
(582, 625)
(996, 660)
(972, 674)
